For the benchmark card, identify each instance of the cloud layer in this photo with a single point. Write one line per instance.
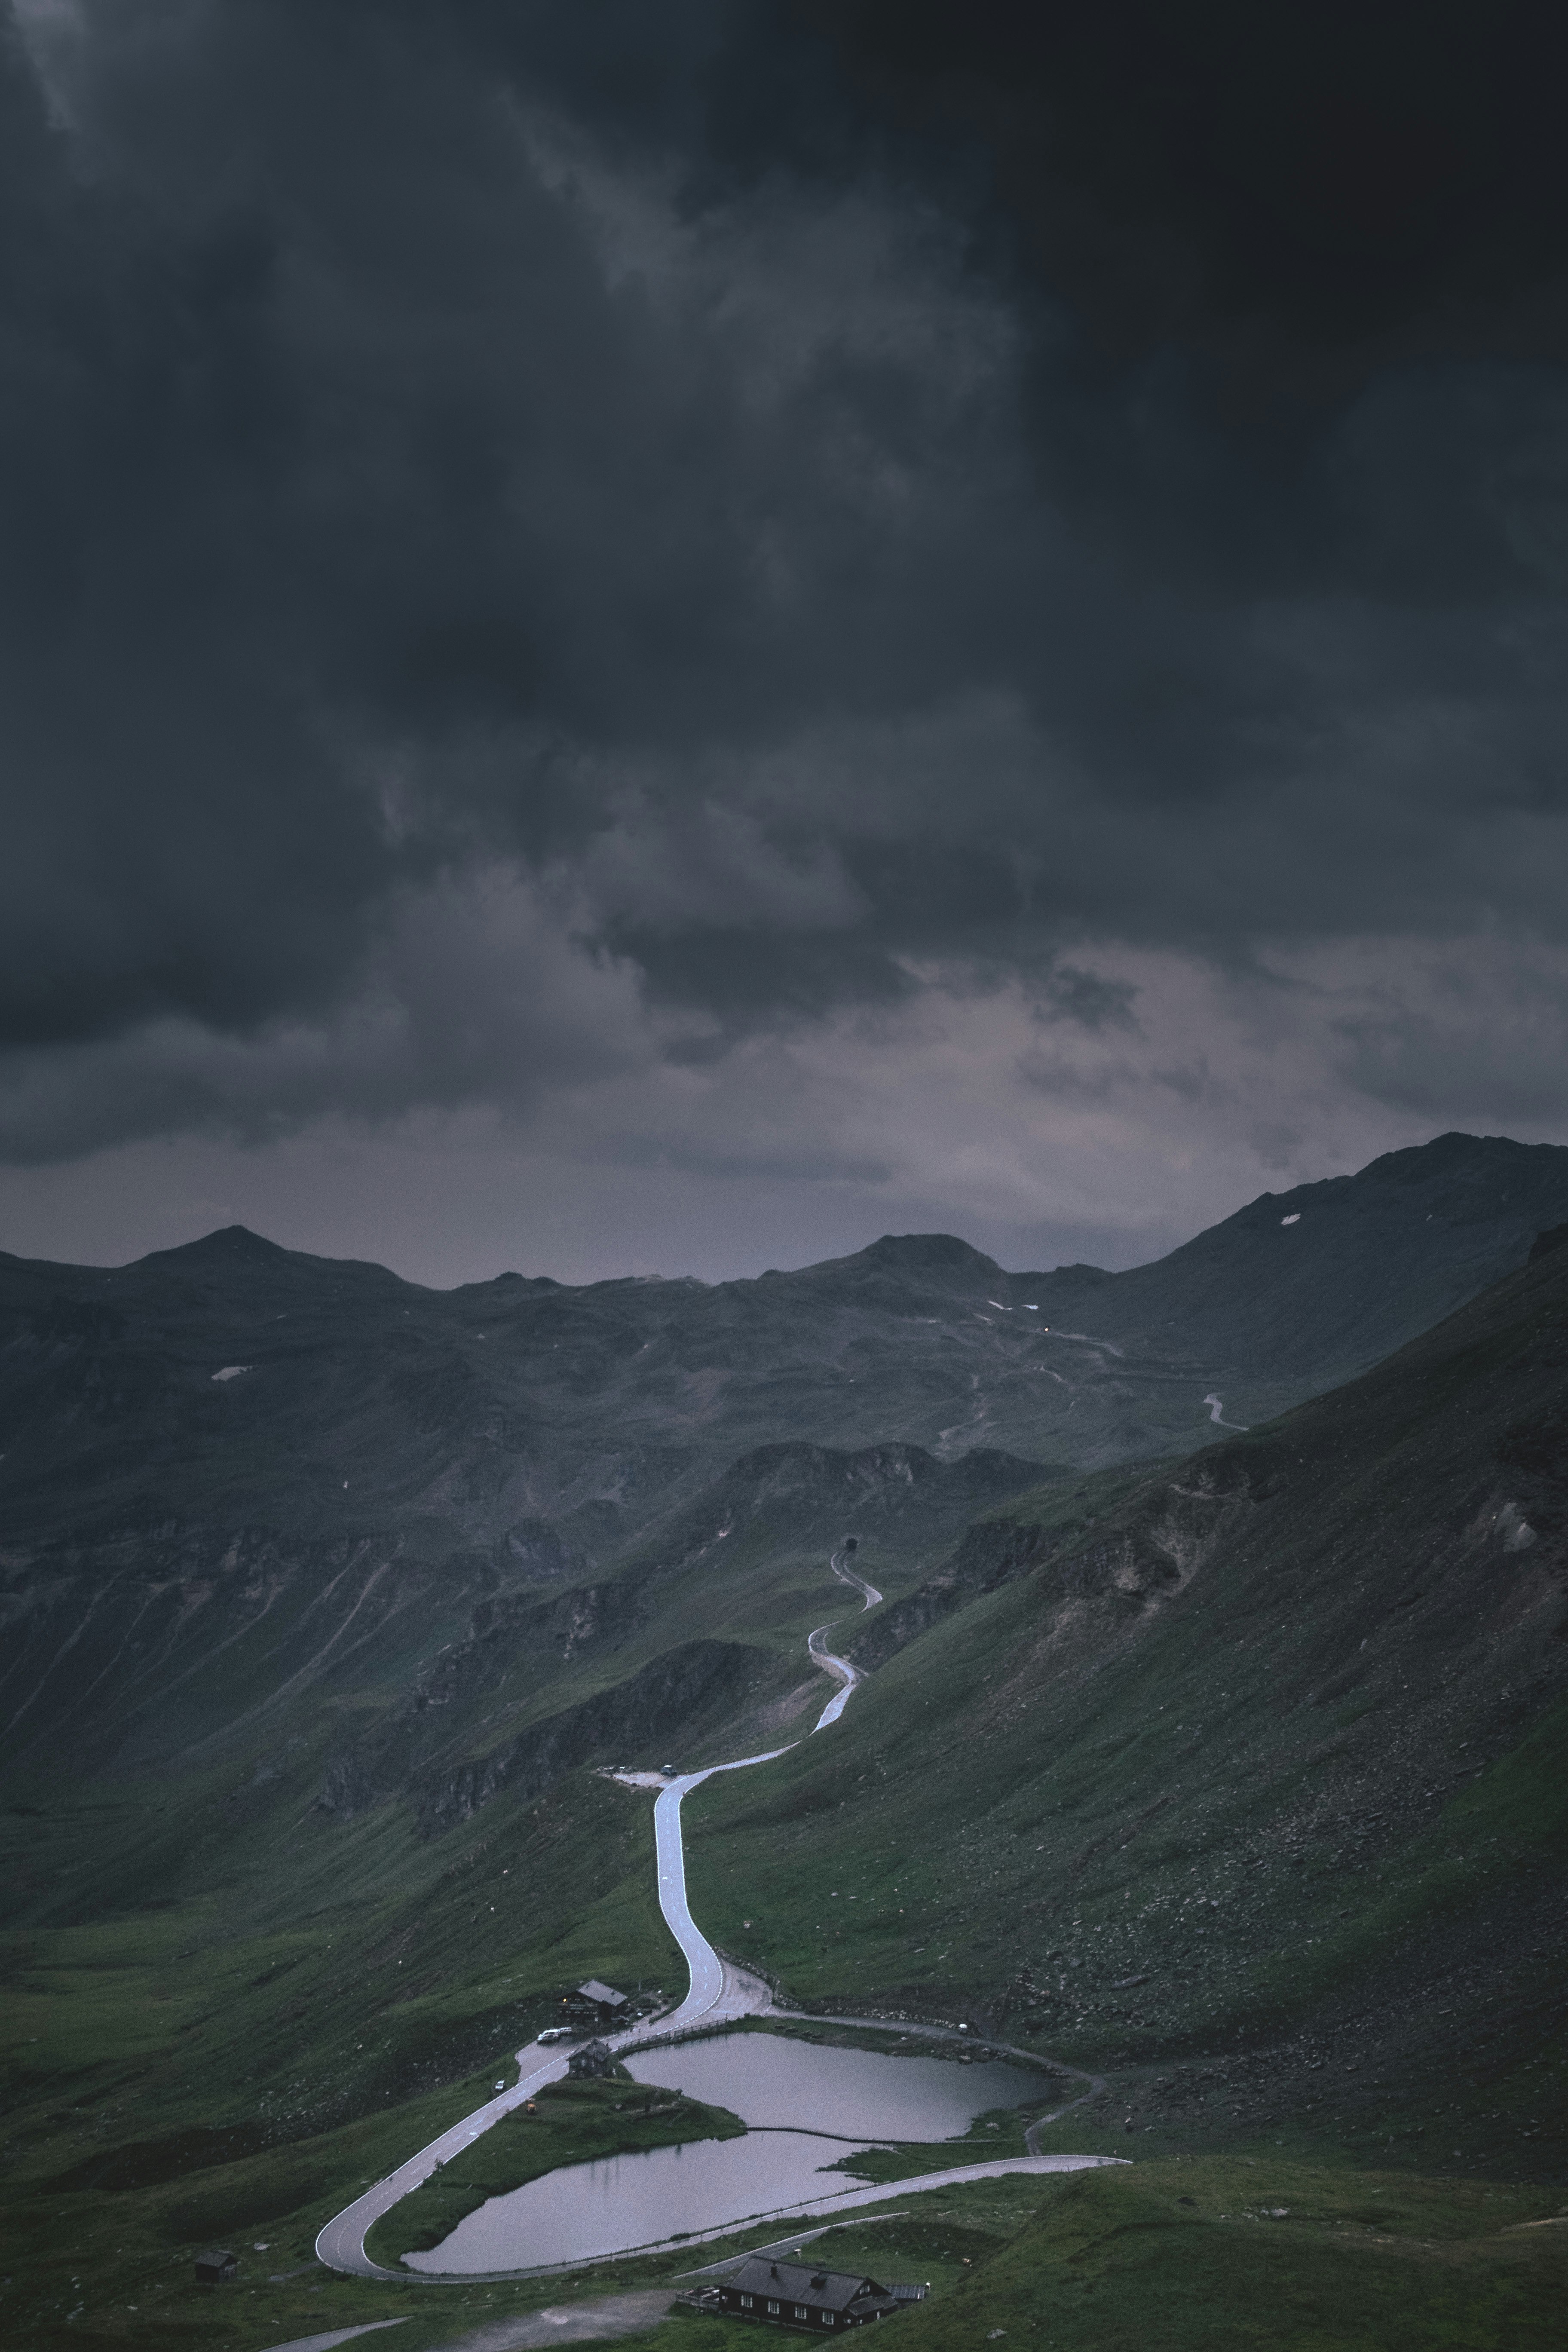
(625, 578)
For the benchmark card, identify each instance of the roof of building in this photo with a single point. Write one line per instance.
(595, 1991)
(792, 2282)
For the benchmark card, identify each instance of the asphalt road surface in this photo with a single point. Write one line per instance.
(718, 1991)
(821, 1656)
(846, 1575)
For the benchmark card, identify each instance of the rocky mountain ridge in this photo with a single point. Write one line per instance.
(232, 1475)
(237, 1380)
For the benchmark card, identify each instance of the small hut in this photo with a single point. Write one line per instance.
(215, 2266)
(593, 2063)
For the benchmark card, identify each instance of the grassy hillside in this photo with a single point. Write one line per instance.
(1251, 1788)
(1210, 2254)
(298, 2007)
(1237, 1779)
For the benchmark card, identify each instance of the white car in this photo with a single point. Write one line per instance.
(554, 2033)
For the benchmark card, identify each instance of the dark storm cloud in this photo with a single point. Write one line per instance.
(820, 489)
(1319, 185)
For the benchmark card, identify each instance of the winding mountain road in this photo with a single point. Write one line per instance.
(718, 1990)
(847, 1576)
(848, 1676)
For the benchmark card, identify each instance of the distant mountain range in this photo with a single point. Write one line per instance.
(234, 1457)
(234, 1380)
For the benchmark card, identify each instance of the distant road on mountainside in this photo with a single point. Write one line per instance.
(816, 1644)
(846, 1575)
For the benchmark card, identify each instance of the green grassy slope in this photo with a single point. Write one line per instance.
(1207, 2255)
(1252, 1789)
(302, 2007)
(1210, 2254)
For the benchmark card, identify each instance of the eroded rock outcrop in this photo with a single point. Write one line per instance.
(685, 1691)
(670, 1701)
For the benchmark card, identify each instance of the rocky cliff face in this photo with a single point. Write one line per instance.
(990, 1555)
(585, 1619)
(670, 1702)
(895, 1494)
(1132, 1564)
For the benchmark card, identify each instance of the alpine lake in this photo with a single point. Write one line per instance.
(807, 2108)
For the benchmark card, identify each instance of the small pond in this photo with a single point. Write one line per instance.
(808, 2106)
(858, 2095)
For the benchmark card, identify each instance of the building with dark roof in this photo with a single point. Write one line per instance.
(791, 2295)
(592, 2062)
(605, 1999)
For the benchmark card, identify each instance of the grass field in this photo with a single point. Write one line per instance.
(310, 2006)
(1211, 2255)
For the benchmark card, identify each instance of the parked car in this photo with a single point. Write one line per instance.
(554, 2033)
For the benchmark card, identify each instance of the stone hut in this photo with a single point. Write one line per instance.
(593, 2063)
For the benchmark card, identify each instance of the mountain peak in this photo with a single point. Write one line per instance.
(1456, 1150)
(229, 1246)
(923, 1253)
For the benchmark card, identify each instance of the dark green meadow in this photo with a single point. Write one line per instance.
(314, 2003)
(1207, 2255)
(1253, 1795)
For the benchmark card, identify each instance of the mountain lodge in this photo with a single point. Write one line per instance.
(788, 2294)
(602, 1999)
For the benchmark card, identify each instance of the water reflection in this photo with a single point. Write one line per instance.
(586, 2211)
(768, 2078)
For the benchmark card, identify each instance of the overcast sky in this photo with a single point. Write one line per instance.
(666, 638)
